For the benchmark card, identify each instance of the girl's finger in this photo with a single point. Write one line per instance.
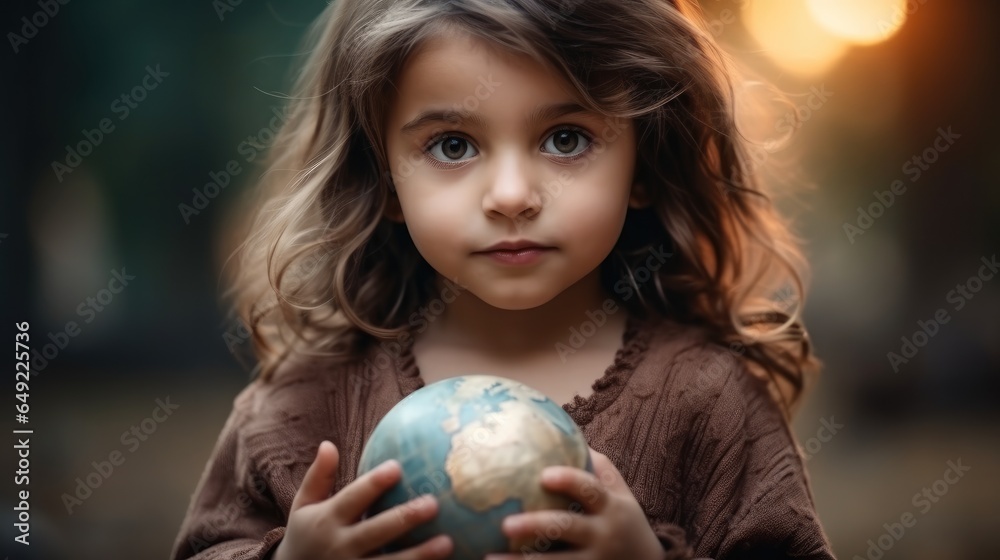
(579, 485)
(351, 502)
(393, 523)
(319, 479)
(568, 555)
(432, 549)
(606, 471)
(556, 525)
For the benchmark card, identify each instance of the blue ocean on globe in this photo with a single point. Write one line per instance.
(478, 443)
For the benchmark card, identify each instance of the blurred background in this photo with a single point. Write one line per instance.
(136, 129)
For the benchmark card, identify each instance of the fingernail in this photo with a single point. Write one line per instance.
(511, 524)
(424, 502)
(442, 545)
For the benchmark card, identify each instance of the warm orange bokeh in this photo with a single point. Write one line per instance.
(807, 37)
(863, 22)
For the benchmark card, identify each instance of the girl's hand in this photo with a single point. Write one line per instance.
(329, 527)
(611, 526)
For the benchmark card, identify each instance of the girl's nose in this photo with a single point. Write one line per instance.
(512, 190)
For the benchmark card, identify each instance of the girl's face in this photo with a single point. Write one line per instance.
(488, 147)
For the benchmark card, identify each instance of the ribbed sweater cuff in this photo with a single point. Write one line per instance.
(270, 543)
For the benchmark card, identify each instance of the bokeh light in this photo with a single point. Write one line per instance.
(791, 37)
(863, 22)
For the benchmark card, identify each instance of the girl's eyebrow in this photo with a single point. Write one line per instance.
(455, 116)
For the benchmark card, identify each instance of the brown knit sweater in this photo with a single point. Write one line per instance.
(703, 448)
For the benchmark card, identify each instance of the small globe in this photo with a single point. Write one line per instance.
(479, 444)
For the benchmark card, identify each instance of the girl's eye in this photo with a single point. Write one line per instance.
(563, 143)
(451, 149)
(567, 143)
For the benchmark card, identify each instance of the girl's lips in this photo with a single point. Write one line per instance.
(525, 256)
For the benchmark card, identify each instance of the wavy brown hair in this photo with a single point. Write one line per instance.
(322, 271)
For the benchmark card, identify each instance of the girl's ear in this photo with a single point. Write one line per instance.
(638, 198)
(393, 211)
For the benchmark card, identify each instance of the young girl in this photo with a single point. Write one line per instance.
(550, 191)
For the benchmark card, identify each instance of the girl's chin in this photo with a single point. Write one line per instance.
(519, 301)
